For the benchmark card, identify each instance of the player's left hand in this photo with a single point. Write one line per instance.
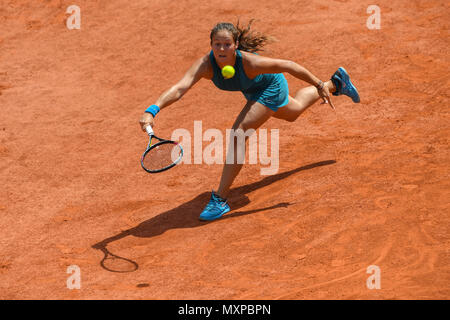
(325, 95)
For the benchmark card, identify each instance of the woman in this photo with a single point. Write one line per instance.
(261, 81)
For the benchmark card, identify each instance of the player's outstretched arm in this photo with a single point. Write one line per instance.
(260, 65)
(197, 71)
(192, 76)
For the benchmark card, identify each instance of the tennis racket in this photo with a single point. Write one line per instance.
(160, 155)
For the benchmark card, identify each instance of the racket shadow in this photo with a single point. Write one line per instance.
(186, 215)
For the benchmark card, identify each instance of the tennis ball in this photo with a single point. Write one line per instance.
(228, 72)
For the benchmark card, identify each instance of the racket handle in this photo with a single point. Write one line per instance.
(149, 130)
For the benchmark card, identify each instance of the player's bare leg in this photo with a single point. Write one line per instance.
(252, 116)
(304, 98)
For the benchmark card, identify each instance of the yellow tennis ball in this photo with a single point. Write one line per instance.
(228, 72)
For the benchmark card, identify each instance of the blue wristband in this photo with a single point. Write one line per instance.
(153, 109)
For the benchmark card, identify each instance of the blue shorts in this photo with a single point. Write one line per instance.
(274, 95)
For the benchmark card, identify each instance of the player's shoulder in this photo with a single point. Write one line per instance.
(251, 60)
(204, 60)
(205, 57)
(248, 55)
(204, 65)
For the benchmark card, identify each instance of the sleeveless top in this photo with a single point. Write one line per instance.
(270, 89)
(240, 81)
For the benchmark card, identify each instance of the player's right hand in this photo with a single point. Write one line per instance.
(146, 119)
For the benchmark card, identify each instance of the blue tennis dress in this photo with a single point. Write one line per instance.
(271, 89)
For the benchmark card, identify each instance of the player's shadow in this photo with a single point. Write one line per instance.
(186, 215)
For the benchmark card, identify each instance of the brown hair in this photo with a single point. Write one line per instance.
(249, 41)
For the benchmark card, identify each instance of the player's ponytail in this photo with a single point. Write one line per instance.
(249, 40)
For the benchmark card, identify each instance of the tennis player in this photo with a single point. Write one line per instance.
(264, 86)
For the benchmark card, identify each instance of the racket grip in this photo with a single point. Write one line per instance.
(149, 130)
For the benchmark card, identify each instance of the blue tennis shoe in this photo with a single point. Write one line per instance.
(215, 208)
(341, 81)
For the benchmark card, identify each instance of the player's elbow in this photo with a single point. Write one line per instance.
(179, 91)
(289, 66)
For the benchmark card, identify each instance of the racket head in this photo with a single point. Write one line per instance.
(161, 156)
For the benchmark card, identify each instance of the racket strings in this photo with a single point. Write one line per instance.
(162, 156)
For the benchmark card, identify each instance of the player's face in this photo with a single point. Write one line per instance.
(224, 48)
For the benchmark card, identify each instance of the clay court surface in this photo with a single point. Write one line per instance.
(367, 185)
